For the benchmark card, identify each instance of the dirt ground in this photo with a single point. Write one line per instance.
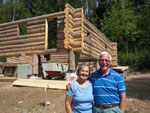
(31, 100)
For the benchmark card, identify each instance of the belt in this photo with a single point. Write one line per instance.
(107, 106)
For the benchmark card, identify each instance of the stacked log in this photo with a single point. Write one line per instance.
(38, 26)
(114, 54)
(95, 41)
(59, 57)
(60, 32)
(81, 42)
(11, 43)
(6, 34)
(22, 60)
(34, 42)
(68, 30)
(74, 32)
(78, 33)
(85, 59)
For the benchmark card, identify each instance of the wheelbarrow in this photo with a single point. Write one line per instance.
(51, 74)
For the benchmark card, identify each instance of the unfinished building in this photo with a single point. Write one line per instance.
(78, 41)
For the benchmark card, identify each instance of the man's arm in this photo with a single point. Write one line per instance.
(68, 104)
(123, 101)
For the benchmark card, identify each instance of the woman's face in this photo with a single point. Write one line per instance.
(84, 73)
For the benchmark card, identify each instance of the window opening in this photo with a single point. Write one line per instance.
(23, 29)
(52, 33)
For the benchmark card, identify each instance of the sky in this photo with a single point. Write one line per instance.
(5, 1)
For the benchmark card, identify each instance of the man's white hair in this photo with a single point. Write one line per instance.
(105, 53)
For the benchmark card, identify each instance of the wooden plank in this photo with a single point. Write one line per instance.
(122, 69)
(7, 79)
(54, 84)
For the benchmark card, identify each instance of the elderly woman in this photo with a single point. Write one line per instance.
(79, 98)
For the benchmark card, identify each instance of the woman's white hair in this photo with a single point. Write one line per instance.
(105, 53)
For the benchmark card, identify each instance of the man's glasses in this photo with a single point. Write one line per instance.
(102, 60)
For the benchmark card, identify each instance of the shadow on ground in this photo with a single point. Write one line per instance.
(138, 88)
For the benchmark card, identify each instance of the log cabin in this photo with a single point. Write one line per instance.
(78, 40)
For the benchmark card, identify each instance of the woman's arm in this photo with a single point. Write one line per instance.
(68, 104)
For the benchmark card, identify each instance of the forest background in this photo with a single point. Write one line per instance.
(126, 22)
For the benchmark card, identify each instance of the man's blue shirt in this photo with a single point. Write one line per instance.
(106, 89)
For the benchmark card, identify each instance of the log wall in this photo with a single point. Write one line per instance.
(35, 41)
(74, 32)
(83, 37)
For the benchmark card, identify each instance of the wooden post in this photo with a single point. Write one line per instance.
(0, 69)
(77, 57)
(97, 65)
(35, 62)
(71, 61)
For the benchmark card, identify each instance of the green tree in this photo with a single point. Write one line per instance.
(144, 25)
(120, 25)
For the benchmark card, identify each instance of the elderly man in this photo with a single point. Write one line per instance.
(108, 88)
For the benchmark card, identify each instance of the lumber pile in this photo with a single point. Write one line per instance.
(55, 84)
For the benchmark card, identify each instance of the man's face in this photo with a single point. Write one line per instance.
(104, 63)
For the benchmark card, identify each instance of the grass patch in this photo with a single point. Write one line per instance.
(42, 104)
(31, 110)
(12, 105)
